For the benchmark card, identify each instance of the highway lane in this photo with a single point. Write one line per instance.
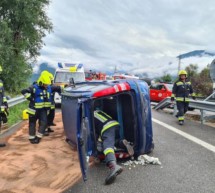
(186, 166)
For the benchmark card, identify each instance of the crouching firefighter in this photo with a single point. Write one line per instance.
(105, 128)
(39, 104)
(181, 91)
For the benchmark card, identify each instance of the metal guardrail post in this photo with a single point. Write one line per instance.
(175, 110)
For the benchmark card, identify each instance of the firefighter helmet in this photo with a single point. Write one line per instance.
(44, 78)
(51, 76)
(182, 72)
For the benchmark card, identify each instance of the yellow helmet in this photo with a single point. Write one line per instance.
(44, 78)
(51, 76)
(181, 72)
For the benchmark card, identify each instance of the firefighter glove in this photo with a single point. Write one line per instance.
(6, 104)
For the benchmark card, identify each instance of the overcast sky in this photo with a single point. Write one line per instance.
(134, 35)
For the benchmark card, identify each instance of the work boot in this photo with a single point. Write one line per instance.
(53, 124)
(128, 146)
(46, 133)
(181, 122)
(114, 171)
(35, 140)
(2, 144)
(50, 130)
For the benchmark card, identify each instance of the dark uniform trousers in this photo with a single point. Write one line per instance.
(108, 140)
(182, 109)
(41, 115)
(106, 130)
(51, 116)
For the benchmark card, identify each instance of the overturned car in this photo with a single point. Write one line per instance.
(126, 101)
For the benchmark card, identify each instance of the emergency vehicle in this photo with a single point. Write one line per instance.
(92, 75)
(126, 101)
(160, 91)
(64, 73)
(124, 76)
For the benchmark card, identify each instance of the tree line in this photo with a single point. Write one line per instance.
(23, 25)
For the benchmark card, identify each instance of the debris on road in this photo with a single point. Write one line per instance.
(142, 160)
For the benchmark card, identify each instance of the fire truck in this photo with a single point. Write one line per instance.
(124, 76)
(92, 75)
(64, 73)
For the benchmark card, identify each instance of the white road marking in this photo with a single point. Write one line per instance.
(186, 135)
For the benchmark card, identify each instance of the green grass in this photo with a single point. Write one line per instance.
(15, 113)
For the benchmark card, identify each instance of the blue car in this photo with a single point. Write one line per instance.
(126, 101)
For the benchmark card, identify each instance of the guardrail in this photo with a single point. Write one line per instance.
(163, 104)
(16, 100)
(201, 105)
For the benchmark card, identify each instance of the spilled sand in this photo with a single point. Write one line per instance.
(48, 167)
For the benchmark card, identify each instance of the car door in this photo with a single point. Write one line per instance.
(162, 92)
(153, 93)
(82, 138)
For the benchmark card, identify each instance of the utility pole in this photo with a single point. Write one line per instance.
(179, 64)
(115, 69)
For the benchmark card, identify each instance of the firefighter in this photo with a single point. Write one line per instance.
(4, 106)
(105, 128)
(51, 115)
(182, 89)
(38, 95)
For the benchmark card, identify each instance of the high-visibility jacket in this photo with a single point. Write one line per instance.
(182, 90)
(38, 97)
(52, 89)
(103, 122)
(3, 99)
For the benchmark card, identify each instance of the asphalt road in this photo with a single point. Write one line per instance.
(187, 167)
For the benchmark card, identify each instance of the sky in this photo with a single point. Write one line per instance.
(136, 36)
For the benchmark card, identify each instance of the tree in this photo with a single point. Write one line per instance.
(23, 24)
(166, 78)
(202, 83)
(192, 70)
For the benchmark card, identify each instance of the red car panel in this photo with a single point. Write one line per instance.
(160, 91)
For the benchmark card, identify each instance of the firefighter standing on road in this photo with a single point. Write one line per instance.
(182, 89)
(38, 95)
(105, 128)
(4, 106)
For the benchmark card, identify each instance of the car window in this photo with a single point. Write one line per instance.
(156, 87)
(62, 77)
(169, 86)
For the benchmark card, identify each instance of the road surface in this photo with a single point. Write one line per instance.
(187, 154)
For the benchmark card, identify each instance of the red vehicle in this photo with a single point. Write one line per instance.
(160, 91)
(92, 75)
(124, 76)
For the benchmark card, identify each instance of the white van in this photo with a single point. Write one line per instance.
(64, 73)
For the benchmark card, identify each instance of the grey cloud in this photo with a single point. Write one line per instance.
(130, 34)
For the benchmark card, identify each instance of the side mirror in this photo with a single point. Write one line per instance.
(72, 82)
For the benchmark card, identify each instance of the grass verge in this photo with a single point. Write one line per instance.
(15, 113)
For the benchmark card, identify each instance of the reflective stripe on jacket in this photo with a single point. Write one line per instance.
(41, 97)
(103, 122)
(182, 90)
